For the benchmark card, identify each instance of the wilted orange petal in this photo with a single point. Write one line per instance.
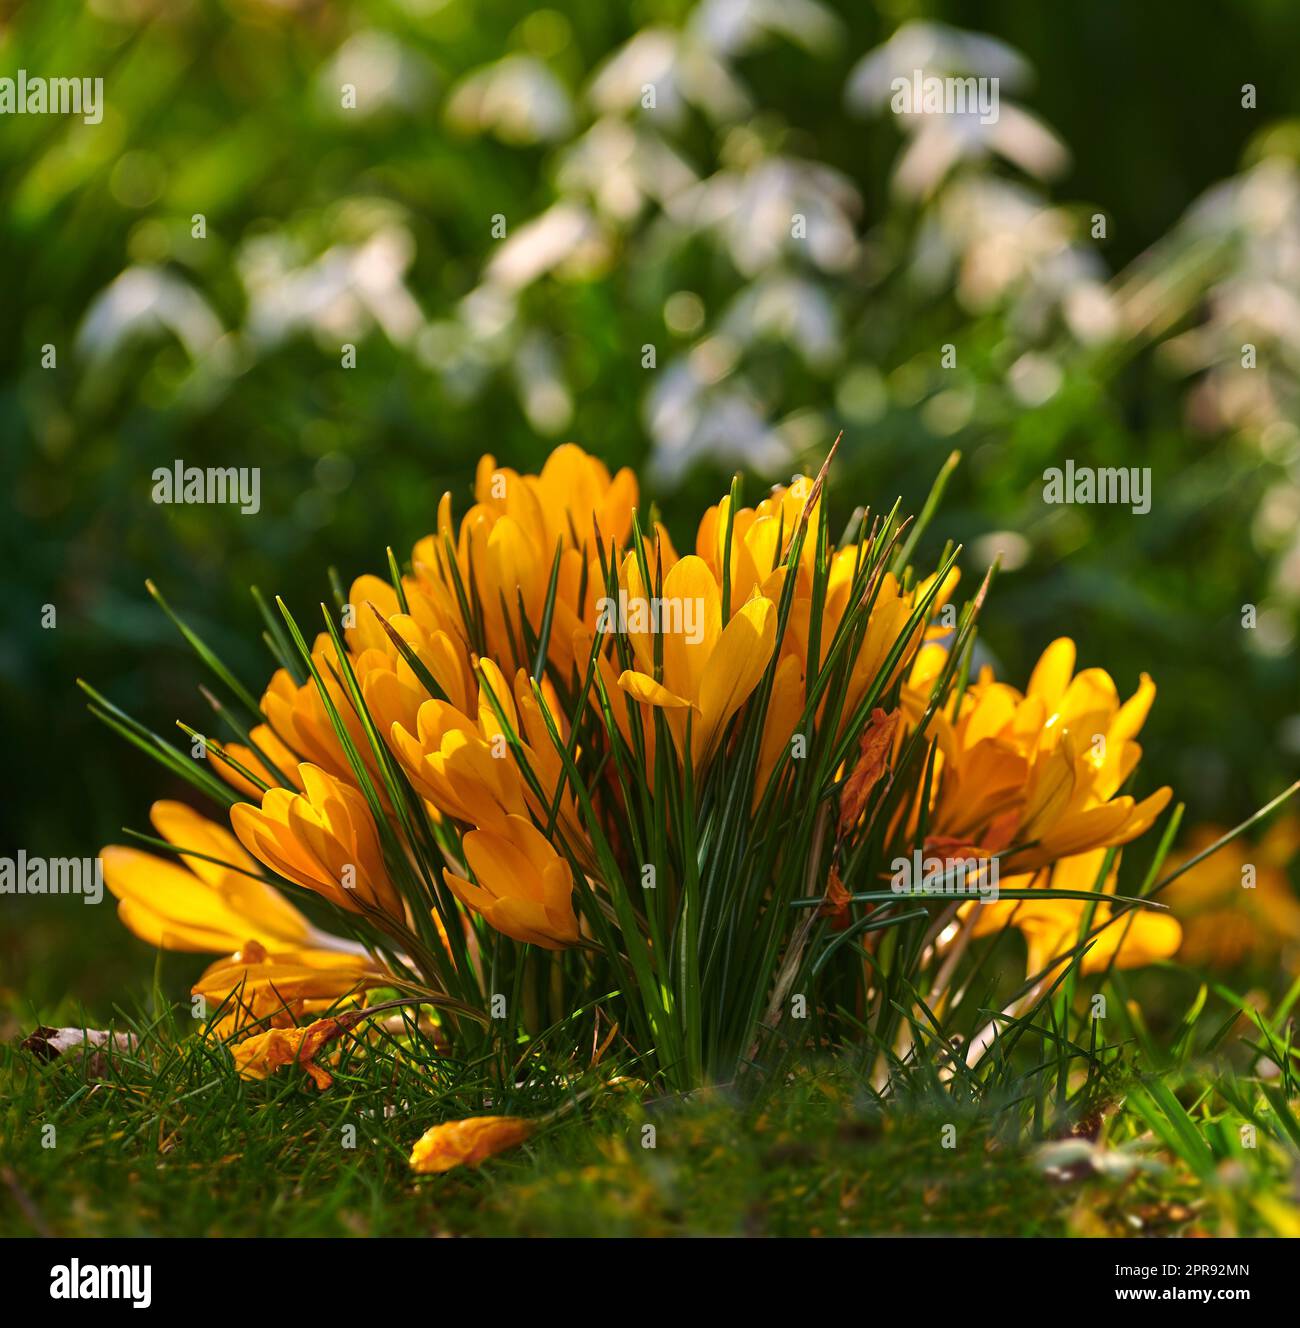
(469, 1142)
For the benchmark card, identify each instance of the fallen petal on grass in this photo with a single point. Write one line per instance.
(468, 1142)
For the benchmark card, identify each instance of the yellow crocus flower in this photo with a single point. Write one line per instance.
(1052, 928)
(280, 756)
(254, 974)
(461, 763)
(1237, 904)
(524, 888)
(192, 903)
(1039, 769)
(299, 718)
(711, 677)
(508, 540)
(389, 685)
(324, 839)
(760, 539)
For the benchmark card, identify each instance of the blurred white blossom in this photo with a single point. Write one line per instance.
(736, 27)
(565, 234)
(941, 140)
(383, 71)
(338, 295)
(787, 308)
(661, 72)
(540, 385)
(146, 302)
(623, 168)
(516, 98)
(778, 207)
(1001, 244)
(1233, 263)
(934, 48)
(692, 414)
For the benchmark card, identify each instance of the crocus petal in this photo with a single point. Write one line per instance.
(739, 661)
(468, 1143)
(643, 688)
(1052, 673)
(690, 613)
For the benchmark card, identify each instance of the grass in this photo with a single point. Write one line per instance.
(168, 1140)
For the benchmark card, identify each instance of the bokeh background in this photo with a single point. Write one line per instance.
(629, 226)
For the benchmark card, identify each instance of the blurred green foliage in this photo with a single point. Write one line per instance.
(374, 227)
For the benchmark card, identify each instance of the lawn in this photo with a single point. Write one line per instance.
(166, 1140)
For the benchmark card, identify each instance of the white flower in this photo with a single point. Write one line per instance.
(934, 48)
(148, 302)
(517, 98)
(660, 72)
(621, 167)
(735, 27)
(338, 294)
(692, 413)
(787, 308)
(564, 233)
(780, 206)
(383, 72)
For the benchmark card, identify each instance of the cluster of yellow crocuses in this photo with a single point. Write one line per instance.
(443, 723)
